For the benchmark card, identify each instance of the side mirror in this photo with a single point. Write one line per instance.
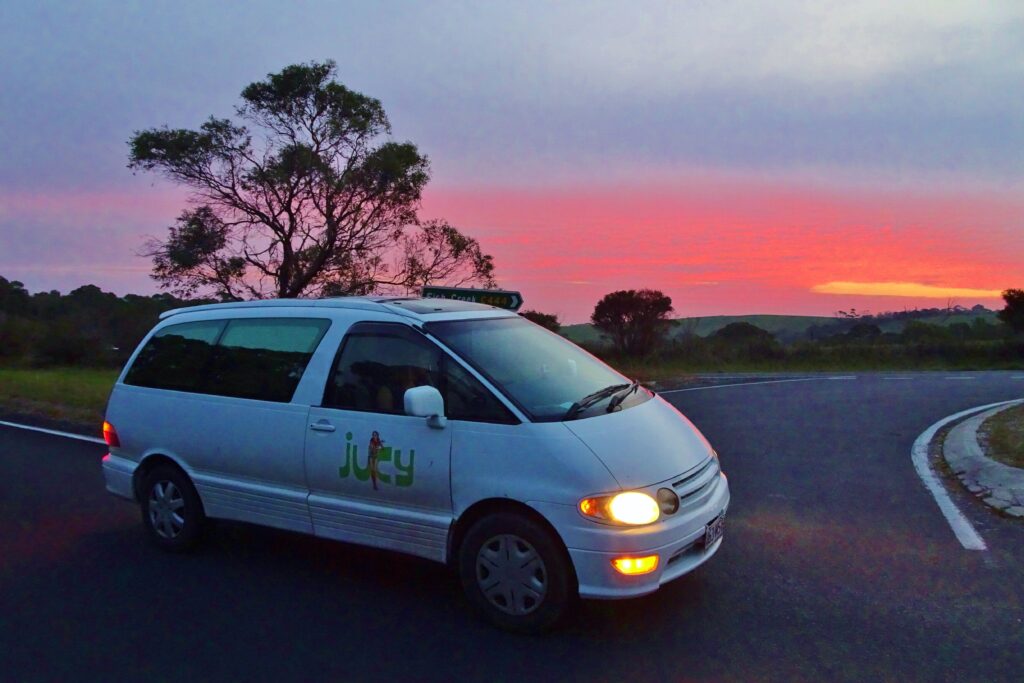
(426, 402)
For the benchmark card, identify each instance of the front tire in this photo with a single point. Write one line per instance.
(172, 512)
(515, 573)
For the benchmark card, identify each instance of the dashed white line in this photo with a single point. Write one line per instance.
(54, 432)
(964, 530)
(747, 384)
(959, 377)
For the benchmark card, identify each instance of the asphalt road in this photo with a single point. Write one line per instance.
(837, 565)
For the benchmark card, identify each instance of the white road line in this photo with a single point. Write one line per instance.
(54, 432)
(1017, 377)
(959, 378)
(964, 530)
(747, 384)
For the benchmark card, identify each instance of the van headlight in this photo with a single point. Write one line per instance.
(631, 507)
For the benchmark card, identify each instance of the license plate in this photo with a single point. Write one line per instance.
(714, 531)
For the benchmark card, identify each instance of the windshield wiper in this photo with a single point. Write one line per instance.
(590, 399)
(617, 399)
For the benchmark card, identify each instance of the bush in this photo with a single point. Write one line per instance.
(18, 337)
(65, 343)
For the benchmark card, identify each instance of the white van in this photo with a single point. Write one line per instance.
(444, 429)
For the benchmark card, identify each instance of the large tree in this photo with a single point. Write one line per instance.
(635, 320)
(304, 196)
(1013, 313)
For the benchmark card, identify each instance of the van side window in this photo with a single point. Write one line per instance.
(175, 357)
(377, 364)
(465, 398)
(263, 358)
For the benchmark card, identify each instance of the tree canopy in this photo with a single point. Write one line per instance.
(635, 320)
(305, 195)
(1013, 313)
(85, 326)
(547, 320)
(743, 332)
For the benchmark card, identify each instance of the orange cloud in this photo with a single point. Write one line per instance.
(904, 289)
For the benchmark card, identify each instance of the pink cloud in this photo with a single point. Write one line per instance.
(762, 247)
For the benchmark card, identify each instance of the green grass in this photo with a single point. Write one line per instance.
(1005, 434)
(74, 394)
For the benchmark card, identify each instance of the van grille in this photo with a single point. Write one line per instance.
(698, 481)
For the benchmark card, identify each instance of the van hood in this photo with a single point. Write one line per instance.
(645, 444)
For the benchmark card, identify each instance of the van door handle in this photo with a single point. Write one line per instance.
(322, 426)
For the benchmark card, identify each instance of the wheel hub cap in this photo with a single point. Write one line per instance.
(511, 574)
(166, 505)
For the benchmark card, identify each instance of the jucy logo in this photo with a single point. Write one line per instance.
(400, 474)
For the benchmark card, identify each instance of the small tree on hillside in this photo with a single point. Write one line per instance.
(744, 341)
(635, 320)
(546, 320)
(1013, 313)
(305, 195)
(743, 332)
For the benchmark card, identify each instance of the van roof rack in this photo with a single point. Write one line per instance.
(409, 306)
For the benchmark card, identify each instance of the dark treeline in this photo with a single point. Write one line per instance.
(90, 327)
(84, 327)
(851, 324)
(921, 338)
(850, 343)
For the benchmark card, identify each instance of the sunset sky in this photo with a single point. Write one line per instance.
(781, 157)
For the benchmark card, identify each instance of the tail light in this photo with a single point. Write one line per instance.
(110, 435)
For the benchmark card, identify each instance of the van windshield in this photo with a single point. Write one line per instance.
(540, 371)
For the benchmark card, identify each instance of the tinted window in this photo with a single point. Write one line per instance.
(379, 362)
(467, 399)
(263, 358)
(540, 371)
(176, 356)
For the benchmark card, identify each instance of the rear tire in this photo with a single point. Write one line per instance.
(172, 512)
(516, 573)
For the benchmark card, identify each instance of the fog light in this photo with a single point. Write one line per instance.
(631, 566)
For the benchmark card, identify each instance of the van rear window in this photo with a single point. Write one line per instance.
(263, 358)
(176, 357)
(257, 358)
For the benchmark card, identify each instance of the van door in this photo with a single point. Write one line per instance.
(376, 475)
(216, 395)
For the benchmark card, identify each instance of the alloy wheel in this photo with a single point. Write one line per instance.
(166, 505)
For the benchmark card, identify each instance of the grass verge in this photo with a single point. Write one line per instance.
(1005, 433)
(72, 394)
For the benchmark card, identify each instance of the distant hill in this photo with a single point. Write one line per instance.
(784, 327)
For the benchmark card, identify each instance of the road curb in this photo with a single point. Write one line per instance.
(997, 485)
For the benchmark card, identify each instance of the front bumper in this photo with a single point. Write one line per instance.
(119, 475)
(677, 541)
(599, 580)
